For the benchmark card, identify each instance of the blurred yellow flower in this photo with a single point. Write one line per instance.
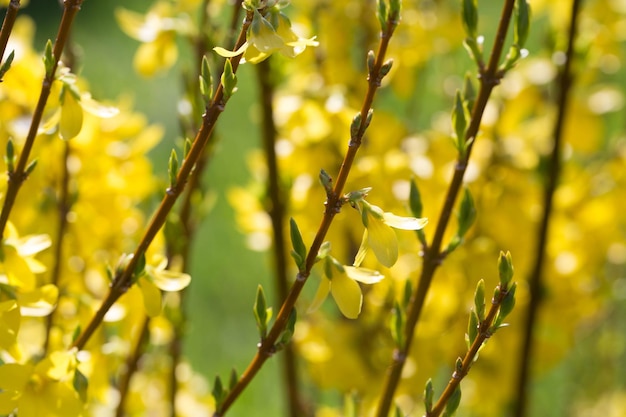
(17, 263)
(157, 279)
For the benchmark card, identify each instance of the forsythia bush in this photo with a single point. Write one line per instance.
(400, 173)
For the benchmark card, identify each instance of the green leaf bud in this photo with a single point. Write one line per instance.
(229, 80)
(355, 126)
(218, 392)
(371, 60)
(6, 65)
(187, 147)
(299, 249)
(48, 59)
(505, 268)
(469, 92)
(408, 293)
(469, 17)
(9, 158)
(453, 402)
(395, 8)
(472, 328)
(415, 200)
(326, 181)
(479, 300)
(172, 169)
(522, 23)
(382, 14)
(385, 68)
(80, 384)
(429, 394)
(467, 213)
(459, 122)
(397, 326)
(290, 329)
(260, 312)
(206, 81)
(140, 267)
(234, 379)
(30, 168)
(508, 302)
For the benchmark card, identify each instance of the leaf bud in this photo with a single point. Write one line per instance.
(505, 268)
(469, 16)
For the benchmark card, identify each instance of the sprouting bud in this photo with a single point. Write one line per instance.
(395, 7)
(30, 168)
(508, 303)
(469, 17)
(469, 91)
(467, 213)
(479, 300)
(384, 69)
(48, 59)
(172, 169)
(459, 123)
(429, 394)
(415, 200)
(326, 181)
(408, 293)
(355, 126)
(382, 14)
(140, 267)
(472, 329)
(371, 60)
(522, 23)
(397, 326)
(6, 65)
(505, 268)
(299, 249)
(218, 392)
(229, 80)
(234, 379)
(9, 158)
(261, 312)
(187, 147)
(290, 328)
(80, 383)
(453, 402)
(206, 81)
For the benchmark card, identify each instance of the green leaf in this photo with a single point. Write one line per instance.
(469, 91)
(299, 248)
(395, 8)
(479, 300)
(415, 200)
(453, 402)
(397, 326)
(80, 384)
(469, 17)
(218, 392)
(9, 158)
(467, 213)
(140, 267)
(172, 169)
(429, 394)
(522, 23)
(206, 81)
(30, 167)
(48, 59)
(290, 328)
(382, 14)
(229, 80)
(507, 304)
(505, 268)
(187, 147)
(408, 293)
(472, 329)
(459, 123)
(234, 379)
(6, 65)
(261, 312)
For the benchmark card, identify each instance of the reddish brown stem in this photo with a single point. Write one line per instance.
(7, 25)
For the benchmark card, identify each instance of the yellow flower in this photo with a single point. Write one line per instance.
(18, 265)
(42, 390)
(265, 38)
(69, 114)
(156, 279)
(379, 235)
(340, 281)
(157, 31)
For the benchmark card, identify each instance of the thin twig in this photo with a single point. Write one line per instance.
(132, 362)
(7, 25)
(554, 170)
(432, 258)
(275, 207)
(123, 280)
(333, 205)
(484, 332)
(63, 208)
(18, 176)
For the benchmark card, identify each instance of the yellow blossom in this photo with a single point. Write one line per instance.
(265, 38)
(341, 281)
(379, 235)
(18, 265)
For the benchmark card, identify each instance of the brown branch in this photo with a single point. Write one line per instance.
(275, 207)
(333, 205)
(19, 174)
(132, 363)
(554, 170)
(7, 25)
(484, 332)
(123, 280)
(433, 256)
(63, 207)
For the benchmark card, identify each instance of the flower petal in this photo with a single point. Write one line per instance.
(231, 54)
(320, 295)
(404, 223)
(71, 116)
(383, 241)
(364, 275)
(169, 280)
(39, 302)
(360, 255)
(151, 296)
(347, 295)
